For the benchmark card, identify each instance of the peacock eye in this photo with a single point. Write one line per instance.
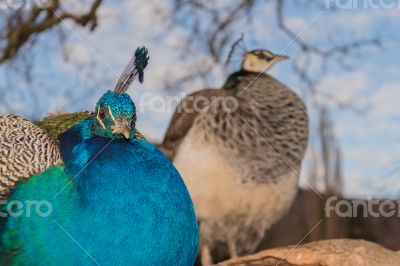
(102, 114)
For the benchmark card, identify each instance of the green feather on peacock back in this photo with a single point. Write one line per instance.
(56, 124)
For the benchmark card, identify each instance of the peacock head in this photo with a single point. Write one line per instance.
(115, 114)
(261, 60)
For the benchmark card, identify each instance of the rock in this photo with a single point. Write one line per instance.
(338, 252)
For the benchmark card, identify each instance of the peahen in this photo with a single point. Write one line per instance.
(116, 200)
(239, 149)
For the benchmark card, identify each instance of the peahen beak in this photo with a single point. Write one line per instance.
(280, 57)
(122, 126)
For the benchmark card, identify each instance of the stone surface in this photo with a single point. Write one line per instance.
(338, 252)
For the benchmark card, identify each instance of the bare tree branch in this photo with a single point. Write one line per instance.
(213, 28)
(342, 49)
(220, 29)
(22, 28)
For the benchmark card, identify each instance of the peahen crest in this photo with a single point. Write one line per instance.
(135, 69)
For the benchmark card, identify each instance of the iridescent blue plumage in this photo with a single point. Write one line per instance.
(117, 201)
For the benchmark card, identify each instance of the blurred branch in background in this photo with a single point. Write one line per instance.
(213, 26)
(21, 27)
(20, 30)
(340, 51)
(330, 153)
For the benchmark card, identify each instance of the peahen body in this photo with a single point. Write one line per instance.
(25, 150)
(241, 164)
(117, 200)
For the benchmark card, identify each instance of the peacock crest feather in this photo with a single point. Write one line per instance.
(134, 69)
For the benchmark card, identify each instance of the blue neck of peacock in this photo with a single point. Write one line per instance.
(86, 155)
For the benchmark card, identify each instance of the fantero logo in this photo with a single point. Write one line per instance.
(362, 4)
(27, 208)
(366, 208)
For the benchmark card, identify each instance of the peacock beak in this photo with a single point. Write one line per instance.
(122, 126)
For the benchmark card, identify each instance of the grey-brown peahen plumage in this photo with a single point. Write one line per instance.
(25, 150)
(241, 165)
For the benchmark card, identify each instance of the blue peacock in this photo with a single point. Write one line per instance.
(116, 200)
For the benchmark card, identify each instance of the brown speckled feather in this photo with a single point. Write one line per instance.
(25, 150)
(183, 118)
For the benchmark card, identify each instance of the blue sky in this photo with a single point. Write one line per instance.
(370, 141)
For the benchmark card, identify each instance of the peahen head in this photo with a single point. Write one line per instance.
(115, 114)
(261, 60)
